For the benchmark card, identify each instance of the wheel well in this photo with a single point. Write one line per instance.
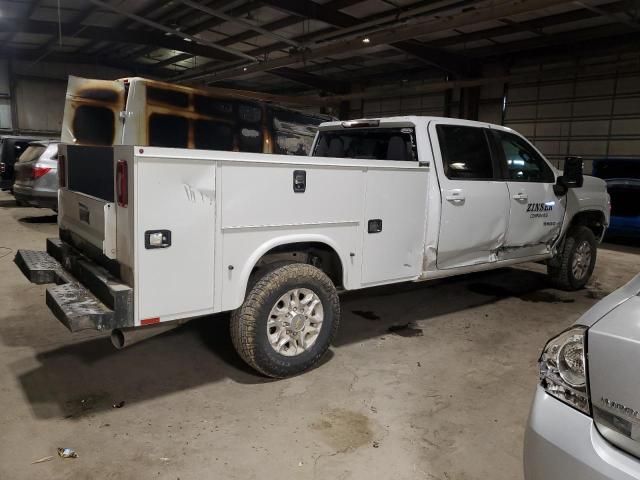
(592, 219)
(318, 254)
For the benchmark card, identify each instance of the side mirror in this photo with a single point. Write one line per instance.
(571, 176)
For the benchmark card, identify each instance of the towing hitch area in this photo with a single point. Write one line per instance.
(85, 295)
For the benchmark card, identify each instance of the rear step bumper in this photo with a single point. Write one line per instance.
(86, 296)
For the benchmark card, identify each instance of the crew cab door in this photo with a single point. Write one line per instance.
(475, 208)
(535, 211)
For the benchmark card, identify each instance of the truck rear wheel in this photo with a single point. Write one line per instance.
(577, 260)
(287, 320)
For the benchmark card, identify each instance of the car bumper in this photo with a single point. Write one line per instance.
(35, 198)
(562, 443)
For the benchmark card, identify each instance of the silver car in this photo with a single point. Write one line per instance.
(585, 418)
(36, 171)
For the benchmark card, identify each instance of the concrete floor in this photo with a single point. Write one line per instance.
(448, 404)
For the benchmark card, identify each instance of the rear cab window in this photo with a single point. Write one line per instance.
(466, 152)
(378, 143)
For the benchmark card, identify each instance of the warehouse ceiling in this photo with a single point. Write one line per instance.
(321, 46)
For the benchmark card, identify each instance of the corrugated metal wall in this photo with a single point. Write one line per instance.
(431, 104)
(590, 114)
(40, 104)
(587, 109)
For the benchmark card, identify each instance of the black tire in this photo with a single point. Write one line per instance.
(562, 275)
(249, 322)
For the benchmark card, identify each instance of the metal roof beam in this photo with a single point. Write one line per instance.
(157, 40)
(487, 12)
(185, 36)
(312, 80)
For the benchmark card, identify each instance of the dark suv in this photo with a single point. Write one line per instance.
(10, 149)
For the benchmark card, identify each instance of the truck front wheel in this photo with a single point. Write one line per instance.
(287, 320)
(573, 269)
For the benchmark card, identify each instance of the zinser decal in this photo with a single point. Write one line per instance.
(539, 207)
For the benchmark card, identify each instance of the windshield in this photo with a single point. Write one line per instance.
(32, 152)
(370, 143)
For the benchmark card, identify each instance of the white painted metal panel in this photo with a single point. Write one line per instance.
(179, 196)
(125, 217)
(259, 211)
(93, 219)
(398, 198)
(535, 216)
(258, 195)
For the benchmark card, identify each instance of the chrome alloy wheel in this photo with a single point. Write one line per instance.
(581, 260)
(295, 322)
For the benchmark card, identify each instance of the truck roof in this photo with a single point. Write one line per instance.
(409, 119)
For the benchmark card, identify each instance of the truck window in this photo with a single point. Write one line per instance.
(19, 148)
(212, 106)
(212, 135)
(250, 140)
(465, 152)
(94, 125)
(168, 131)
(249, 113)
(375, 144)
(165, 96)
(523, 162)
(293, 131)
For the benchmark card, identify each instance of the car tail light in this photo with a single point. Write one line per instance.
(62, 171)
(37, 172)
(563, 368)
(122, 183)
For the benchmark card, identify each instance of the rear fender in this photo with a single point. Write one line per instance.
(252, 261)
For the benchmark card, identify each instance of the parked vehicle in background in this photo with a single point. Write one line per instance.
(36, 172)
(585, 420)
(11, 147)
(151, 237)
(138, 111)
(623, 184)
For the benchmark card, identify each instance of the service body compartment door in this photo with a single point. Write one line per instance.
(394, 224)
(475, 206)
(175, 222)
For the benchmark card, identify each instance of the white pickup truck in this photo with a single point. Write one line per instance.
(151, 237)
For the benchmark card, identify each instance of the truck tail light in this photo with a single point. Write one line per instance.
(122, 183)
(37, 172)
(62, 171)
(2, 167)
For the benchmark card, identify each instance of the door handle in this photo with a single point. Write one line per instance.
(455, 195)
(521, 196)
